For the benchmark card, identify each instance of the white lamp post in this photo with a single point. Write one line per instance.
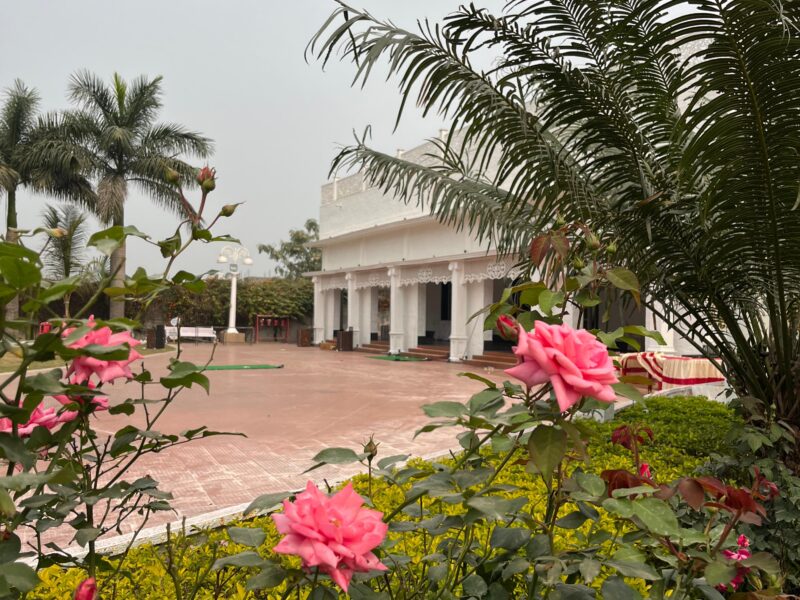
(233, 255)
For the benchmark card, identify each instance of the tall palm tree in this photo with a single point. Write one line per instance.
(670, 127)
(114, 135)
(20, 166)
(65, 254)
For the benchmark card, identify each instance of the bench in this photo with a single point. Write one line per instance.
(196, 333)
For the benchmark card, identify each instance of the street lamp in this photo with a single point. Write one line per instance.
(233, 255)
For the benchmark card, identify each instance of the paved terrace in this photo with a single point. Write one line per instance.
(319, 399)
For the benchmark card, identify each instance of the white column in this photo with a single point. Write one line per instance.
(353, 308)
(411, 326)
(232, 308)
(365, 314)
(319, 311)
(374, 301)
(397, 341)
(422, 308)
(458, 313)
(479, 295)
(651, 321)
(330, 314)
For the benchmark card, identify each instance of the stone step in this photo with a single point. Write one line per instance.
(496, 362)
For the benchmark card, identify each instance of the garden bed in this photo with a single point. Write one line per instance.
(686, 432)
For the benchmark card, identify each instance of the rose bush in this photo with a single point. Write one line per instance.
(60, 472)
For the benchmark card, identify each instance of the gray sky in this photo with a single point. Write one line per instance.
(234, 71)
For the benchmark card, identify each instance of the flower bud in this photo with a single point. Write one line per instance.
(371, 449)
(611, 249)
(206, 178)
(578, 263)
(508, 328)
(87, 590)
(560, 221)
(228, 210)
(57, 232)
(172, 176)
(644, 471)
(592, 242)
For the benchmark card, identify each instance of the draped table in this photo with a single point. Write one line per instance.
(668, 371)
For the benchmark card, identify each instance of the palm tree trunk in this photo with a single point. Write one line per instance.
(117, 305)
(12, 308)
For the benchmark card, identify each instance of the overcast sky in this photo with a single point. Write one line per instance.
(234, 71)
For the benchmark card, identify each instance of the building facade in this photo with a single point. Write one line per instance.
(391, 271)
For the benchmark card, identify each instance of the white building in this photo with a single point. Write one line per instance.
(377, 250)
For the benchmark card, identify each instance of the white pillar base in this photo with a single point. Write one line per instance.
(458, 348)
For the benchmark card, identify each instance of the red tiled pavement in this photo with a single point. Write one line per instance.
(319, 399)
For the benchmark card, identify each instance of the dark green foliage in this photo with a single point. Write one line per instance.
(279, 297)
(693, 424)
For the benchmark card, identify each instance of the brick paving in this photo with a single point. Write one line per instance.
(319, 399)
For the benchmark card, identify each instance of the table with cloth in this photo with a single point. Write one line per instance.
(668, 371)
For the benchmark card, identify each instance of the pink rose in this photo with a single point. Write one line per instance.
(644, 471)
(40, 417)
(334, 533)
(97, 402)
(572, 360)
(83, 367)
(87, 590)
(743, 541)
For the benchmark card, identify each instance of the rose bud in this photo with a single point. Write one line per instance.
(206, 178)
(371, 449)
(508, 328)
(172, 176)
(644, 471)
(87, 590)
(611, 249)
(593, 242)
(228, 210)
(57, 232)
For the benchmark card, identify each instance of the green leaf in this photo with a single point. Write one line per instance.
(640, 570)
(7, 507)
(19, 274)
(620, 507)
(486, 402)
(572, 521)
(474, 586)
(590, 569)
(266, 502)
(657, 516)
(591, 483)
(627, 391)
(764, 561)
(110, 239)
(547, 445)
(573, 591)
(243, 559)
(548, 300)
(444, 409)
(86, 535)
(10, 548)
(717, 573)
(19, 576)
(509, 538)
(271, 575)
(492, 507)
(623, 279)
(336, 456)
(247, 536)
(616, 588)
(184, 374)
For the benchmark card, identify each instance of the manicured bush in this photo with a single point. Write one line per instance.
(153, 572)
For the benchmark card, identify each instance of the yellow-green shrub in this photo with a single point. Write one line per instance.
(684, 428)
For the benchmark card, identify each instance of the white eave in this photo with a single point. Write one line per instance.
(400, 263)
(377, 228)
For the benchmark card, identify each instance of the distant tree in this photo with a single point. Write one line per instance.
(65, 254)
(20, 128)
(116, 138)
(294, 257)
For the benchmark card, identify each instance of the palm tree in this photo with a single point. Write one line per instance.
(676, 134)
(114, 135)
(20, 166)
(65, 254)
